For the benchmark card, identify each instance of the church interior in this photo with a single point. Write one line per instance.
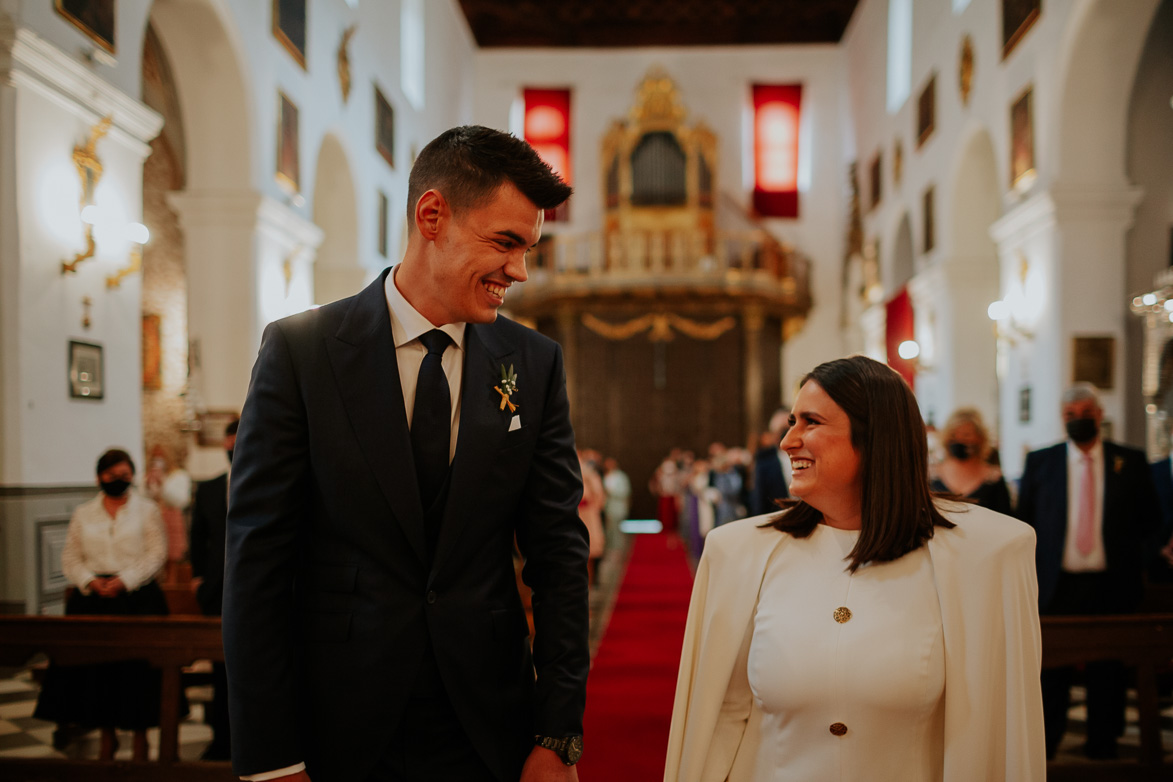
(978, 193)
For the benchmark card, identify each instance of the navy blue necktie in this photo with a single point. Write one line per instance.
(431, 419)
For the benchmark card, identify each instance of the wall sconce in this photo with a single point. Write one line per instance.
(138, 235)
(909, 350)
(89, 169)
(1014, 314)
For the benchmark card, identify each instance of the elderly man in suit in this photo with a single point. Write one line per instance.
(392, 447)
(1092, 504)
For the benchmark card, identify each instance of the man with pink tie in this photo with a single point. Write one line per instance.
(1092, 504)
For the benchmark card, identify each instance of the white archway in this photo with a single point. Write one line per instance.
(218, 206)
(337, 270)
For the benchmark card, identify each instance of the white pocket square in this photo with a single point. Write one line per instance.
(515, 424)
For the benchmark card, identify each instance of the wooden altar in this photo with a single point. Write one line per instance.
(672, 317)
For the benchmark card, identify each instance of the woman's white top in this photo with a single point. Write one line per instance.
(848, 670)
(132, 544)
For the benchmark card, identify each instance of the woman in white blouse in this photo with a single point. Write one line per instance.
(868, 631)
(115, 545)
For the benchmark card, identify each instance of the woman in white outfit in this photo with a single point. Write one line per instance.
(868, 632)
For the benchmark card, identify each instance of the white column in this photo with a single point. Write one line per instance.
(1062, 256)
(956, 337)
(249, 262)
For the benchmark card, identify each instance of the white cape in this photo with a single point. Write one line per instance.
(985, 576)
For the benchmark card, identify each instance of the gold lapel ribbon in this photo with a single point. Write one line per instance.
(505, 400)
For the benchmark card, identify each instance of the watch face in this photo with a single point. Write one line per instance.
(574, 749)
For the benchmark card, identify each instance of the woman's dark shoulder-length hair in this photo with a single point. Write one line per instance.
(897, 510)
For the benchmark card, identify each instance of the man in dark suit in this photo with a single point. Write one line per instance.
(1159, 557)
(1092, 504)
(209, 513)
(392, 447)
(771, 467)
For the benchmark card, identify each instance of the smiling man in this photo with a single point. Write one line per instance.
(392, 447)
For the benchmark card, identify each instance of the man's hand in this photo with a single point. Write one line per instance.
(544, 765)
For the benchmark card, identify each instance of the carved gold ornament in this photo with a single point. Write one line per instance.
(659, 326)
(344, 61)
(965, 70)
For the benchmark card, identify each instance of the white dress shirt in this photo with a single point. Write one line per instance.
(1094, 561)
(132, 544)
(406, 327)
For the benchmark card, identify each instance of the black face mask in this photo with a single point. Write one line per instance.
(116, 488)
(1082, 430)
(229, 454)
(960, 451)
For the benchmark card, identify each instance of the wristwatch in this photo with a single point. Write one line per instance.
(568, 748)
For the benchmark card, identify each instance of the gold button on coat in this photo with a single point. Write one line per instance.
(838, 728)
(842, 614)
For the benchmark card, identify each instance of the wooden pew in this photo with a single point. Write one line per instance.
(167, 642)
(1142, 641)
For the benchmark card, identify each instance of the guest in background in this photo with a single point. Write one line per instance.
(114, 548)
(1092, 503)
(727, 482)
(965, 471)
(590, 510)
(170, 487)
(665, 487)
(771, 467)
(1159, 556)
(618, 488)
(209, 514)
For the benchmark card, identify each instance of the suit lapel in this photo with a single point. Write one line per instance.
(482, 428)
(1111, 483)
(362, 353)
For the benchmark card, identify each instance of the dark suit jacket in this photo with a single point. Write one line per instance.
(1158, 568)
(330, 596)
(209, 512)
(1129, 515)
(769, 483)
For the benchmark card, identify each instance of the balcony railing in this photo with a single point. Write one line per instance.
(739, 264)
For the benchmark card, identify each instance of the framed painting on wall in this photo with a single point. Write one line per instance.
(383, 208)
(1022, 141)
(876, 183)
(1018, 16)
(85, 370)
(930, 230)
(1091, 361)
(288, 169)
(289, 27)
(384, 128)
(95, 18)
(926, 112)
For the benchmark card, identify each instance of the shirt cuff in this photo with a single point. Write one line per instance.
(281, 772)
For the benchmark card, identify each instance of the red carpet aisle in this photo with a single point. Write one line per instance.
(630, 690)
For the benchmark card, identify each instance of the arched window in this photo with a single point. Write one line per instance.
(899, 53)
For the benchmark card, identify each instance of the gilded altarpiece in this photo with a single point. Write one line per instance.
(671, 320)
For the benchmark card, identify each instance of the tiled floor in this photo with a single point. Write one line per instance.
(22, 735)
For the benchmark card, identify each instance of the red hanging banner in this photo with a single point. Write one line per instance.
(777, 111)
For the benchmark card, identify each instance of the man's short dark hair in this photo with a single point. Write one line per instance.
(112, 457)
(468, 164)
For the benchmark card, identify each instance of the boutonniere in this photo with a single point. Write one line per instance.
(1117, 464)
(507, 387)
